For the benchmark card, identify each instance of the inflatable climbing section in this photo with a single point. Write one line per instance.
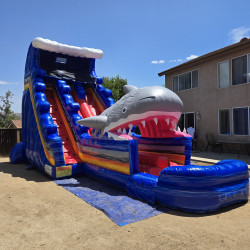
(72, 126)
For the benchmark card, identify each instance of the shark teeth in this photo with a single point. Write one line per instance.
(116, 137)
(143, 123)
(130, 128)
(102, 133)
(94, 132)
(173, 124)
(156, 120)
(154, 127)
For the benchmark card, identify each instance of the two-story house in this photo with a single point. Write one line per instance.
(215, 90)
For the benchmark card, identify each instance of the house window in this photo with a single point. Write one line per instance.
(223, 74)
(224, 122)
(195, 79)
(241, 121)
(241, 70)
(175, 84)
(185, 81)
(186, 120)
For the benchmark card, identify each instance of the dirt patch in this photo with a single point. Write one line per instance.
(38, 214)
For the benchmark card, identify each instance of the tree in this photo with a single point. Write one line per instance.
(115, 84)
(6, 114)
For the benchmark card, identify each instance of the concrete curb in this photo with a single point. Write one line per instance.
(209, 161)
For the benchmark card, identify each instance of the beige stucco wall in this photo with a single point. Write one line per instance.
(207, 99)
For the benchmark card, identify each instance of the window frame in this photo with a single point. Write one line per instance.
(177, 83)
(248, 73)
(219, 122)
(218, 77)
(191, 80)
(248, 107)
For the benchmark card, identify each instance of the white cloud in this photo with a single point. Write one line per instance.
(235, 35)
(191, 57)
(176, 60)
(157, 61)
(7, 83)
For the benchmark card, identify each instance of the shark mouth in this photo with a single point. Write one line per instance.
(151, 125)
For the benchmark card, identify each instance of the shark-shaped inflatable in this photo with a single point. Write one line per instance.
(156, 110)
(61, 88)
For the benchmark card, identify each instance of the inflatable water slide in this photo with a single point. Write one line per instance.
(71, 126)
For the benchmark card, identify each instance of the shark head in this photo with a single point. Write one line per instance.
(156, 110)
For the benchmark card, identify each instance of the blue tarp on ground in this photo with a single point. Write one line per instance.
(113, 202)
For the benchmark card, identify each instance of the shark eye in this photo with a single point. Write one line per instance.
(124, 110)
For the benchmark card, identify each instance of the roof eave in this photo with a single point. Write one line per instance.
(204, 57)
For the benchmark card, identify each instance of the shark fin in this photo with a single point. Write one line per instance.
(97, 122)
(129, 88)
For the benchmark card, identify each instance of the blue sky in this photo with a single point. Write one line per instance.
(139, 38)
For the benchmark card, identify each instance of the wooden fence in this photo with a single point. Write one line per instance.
(8, 138)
